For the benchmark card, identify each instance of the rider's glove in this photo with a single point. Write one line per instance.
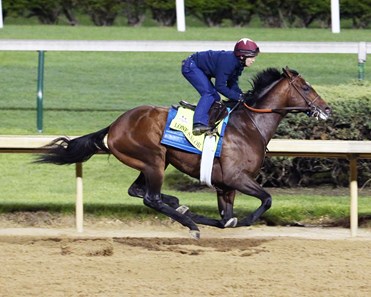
(246, 97)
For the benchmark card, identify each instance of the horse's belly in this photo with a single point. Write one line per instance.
(185, 162)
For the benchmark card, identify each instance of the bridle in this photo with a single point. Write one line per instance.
(311, 109)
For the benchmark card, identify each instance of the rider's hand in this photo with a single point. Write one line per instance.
(248, 96)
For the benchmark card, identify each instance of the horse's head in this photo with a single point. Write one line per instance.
(303, 96)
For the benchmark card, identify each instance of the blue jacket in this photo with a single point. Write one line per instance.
(225, 67)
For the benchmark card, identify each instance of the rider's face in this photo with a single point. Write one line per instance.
(249, 61)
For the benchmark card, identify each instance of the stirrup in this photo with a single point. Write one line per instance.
(201, 130)
(188, 105)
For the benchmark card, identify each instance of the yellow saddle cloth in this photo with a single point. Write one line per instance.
(183, 122)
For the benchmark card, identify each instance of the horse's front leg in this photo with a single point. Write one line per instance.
(252, 188)
(225, 206)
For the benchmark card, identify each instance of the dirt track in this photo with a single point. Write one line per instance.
(114, 258)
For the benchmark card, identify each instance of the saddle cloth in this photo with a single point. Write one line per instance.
(178, 132)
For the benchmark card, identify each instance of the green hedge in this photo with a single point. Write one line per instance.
(272, 13)
(350, 121)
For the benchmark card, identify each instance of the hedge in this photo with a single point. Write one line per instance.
(350, 120)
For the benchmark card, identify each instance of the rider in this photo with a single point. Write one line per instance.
(225, 67)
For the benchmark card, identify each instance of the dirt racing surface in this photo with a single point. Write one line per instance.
(48, 257)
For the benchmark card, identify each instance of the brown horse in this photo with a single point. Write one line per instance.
(134, 139)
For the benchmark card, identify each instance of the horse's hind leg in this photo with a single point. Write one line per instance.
(173, 202)
(138, 189)
(199, 219)
(134, 139)
(153, 179)
(148, 185)
(154, 201)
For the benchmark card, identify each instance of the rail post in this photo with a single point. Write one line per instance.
(353, 185)
(79, 199)
(40, 90)
(362, 54)
(180, 15)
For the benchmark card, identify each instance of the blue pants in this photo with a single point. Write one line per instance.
(203, 85)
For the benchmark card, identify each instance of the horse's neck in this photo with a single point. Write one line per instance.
(267, 123)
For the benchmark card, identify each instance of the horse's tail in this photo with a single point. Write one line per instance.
(63, 150)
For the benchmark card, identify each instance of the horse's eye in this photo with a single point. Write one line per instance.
(306, 88)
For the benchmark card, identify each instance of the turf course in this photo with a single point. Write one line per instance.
(84, 92)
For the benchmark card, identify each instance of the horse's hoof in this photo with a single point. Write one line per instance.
(182, 209)
(195, 234)
(231, 223)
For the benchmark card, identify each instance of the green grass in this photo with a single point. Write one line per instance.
(84, 92)
(34, 187)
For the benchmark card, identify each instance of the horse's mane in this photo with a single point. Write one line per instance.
(262, 81)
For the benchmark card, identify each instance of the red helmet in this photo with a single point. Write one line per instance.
(245, 47)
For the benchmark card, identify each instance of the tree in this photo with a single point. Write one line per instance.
(306, 11)
(211, 12)
(359, 11)
(67, 8)
(242, 12)
(134, 11)
(46, 11)
(275, 13)
(163, 11)
(14, 8)
(102, 12)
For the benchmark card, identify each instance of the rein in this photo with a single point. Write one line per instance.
(277, 110)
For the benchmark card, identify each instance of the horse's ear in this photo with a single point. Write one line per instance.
(286, 72)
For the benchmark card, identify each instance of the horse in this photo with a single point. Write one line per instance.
(134, 138)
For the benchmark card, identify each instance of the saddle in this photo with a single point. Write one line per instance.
(217, 112)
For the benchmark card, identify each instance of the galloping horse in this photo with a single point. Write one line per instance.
(134, 139)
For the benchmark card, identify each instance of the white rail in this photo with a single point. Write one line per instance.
(362, 48)
(351, 150)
